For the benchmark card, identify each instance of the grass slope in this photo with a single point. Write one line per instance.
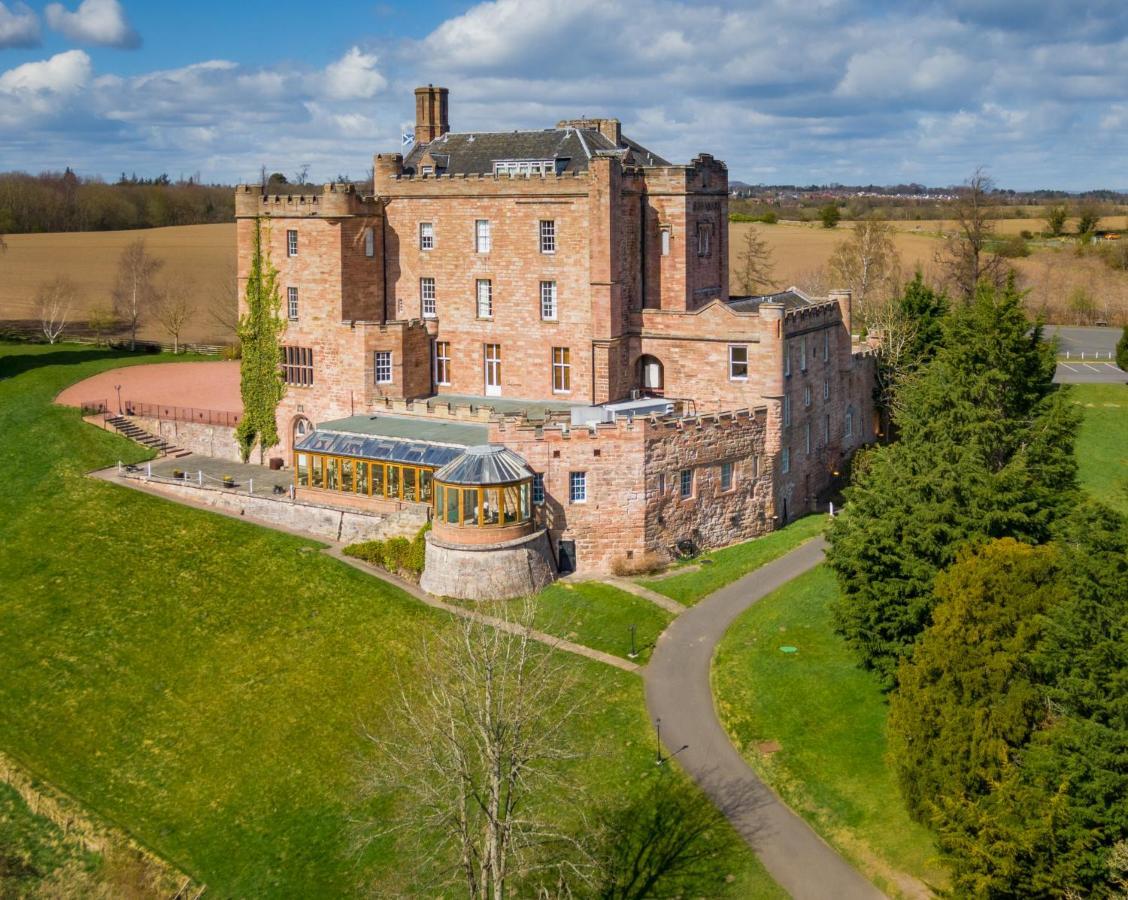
(1102, 442)
(829, 719)
(34, 852)
(201, 681)
(722, 567)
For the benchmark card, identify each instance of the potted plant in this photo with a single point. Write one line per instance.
(229, 481)
(177, 473)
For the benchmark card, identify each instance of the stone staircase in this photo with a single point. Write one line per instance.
(126, 426)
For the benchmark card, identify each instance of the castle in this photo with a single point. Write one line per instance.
(531, 333)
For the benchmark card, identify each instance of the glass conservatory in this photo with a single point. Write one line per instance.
(486, 487)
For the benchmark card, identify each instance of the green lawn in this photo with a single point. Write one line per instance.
(1102, 442)
(721, 567)
(201, 681)
(829, 719)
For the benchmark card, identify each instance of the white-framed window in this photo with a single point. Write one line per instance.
(738, 362)
(826, 388)
(538, 488)
(382, 365)
(803, 355)
(661, 484)
(292, 302)
(426, 236)
(561, 370)
(850, 422)
(482, 235)
(726, 477)
(785, 460)
(665, 241)
(787, 359)
(685, 483)
(807, 436)
(292, 242)
(826, 345)
(704, 238)
(524, 166)
(786, 409)
(548, 300)
(369, 242)
(577, 487)
(806, 395)
(442, 362)
(548, 236)
(485, 298)
(428, 170)
(427, 297)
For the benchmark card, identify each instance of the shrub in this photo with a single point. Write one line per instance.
(1122, 350)
(369, 551)
(1027, 234)
(1013, 247)
(397, 555)
(646, 564)
(769, 218)
(231, 351)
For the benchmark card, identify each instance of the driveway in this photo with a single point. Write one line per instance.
(679, 693)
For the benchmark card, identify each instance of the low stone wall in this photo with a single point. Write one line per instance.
(217, 441)
(517, 568)
(346, 525)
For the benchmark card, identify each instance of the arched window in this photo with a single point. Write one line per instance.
(650, 374)
(302, 427)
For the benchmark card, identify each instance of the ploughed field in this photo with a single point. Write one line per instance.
(203, 682)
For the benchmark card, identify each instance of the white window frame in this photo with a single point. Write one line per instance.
(666, 237)
(806, 395)
(427, 302)
(382, 366)
(291, 242)
(849, 431)
(562, 366)
(685, 484)
(427, 170)
(577, 487)
(369, 242)
(786, 409)
(426, 235)
(482, 236)
(826, 388)
(785, 460)
(548, 236)
(548, 307)
(728, 474)
(292, 303)
(538, 489)
(441, 362)
(483, 298)
(733, 363)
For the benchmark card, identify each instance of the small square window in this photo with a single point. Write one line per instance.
(291, 243)
(383, 366)
(292, 302)
(426, 236)
(577, 487)
(726, 477)
(427, 297)
(738, 362)
(538, 488)
(548, 236)
(686, 483)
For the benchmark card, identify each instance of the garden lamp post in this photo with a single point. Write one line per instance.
(117, 387)
(634, 653)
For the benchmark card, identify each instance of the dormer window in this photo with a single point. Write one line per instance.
(524, 166)
(428, 170)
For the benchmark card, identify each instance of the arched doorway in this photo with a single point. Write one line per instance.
(650, 375)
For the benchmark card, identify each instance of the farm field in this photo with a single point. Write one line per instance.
(212, 705)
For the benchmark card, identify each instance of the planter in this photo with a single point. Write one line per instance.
(228, 481)
(276, 463)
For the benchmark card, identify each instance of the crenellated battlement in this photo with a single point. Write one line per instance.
(326, 201)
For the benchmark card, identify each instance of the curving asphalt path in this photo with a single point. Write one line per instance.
(678, 691)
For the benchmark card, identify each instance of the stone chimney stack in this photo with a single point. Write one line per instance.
(430, 113)
(845, 306)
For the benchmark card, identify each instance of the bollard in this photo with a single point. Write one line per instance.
(148, 470)
(832, 509)
(200, 477)
(250, 485)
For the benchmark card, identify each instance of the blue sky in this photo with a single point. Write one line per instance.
(785, 90)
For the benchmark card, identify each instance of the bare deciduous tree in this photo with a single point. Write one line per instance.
(174, 308)
(480, 724)
(868, 264)
(964, 259)
(101, 320)
(54, 301)
(754, 264)
(135, 292)
(223, 302)
(894, 333)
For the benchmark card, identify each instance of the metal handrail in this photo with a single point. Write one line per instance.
(181, 413)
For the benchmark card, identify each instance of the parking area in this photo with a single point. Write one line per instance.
(1076, 372)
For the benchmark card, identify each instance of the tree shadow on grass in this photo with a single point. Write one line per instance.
(12, 365)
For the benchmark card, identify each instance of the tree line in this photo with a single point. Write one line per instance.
(989, 596)
(62, 201)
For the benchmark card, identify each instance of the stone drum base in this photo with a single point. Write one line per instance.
(516, 568)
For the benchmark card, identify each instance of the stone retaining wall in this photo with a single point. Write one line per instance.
(217, 441)
(517, 568)
(348, 526)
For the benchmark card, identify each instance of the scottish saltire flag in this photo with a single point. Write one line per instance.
(408, 138)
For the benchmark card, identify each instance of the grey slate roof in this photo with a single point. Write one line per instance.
(485, 464)
(572, 148)
(412, 428)
(402, 439)
(792, 298)
(382, 449)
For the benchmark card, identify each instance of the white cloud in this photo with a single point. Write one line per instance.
(353, 77)
(19, 26)
(99, 22)
(63, 73)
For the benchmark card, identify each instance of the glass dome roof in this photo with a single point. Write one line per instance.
(485, 464)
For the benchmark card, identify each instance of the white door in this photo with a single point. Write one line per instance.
(493, 370)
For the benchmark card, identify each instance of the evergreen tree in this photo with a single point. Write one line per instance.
(986, 451)
(259, 329)
(1122, 350)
